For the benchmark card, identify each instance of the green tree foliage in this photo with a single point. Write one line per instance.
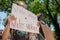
(50, 9)
(6, 5)
(0, 19)
(4, 20)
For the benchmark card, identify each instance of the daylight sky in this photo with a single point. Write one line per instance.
(2, 16)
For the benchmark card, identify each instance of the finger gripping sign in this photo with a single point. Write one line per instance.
(25, 20)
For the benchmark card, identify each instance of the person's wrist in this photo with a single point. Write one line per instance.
(8, 22)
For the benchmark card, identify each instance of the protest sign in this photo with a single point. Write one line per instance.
(25, 20)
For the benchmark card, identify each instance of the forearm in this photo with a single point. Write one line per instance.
(6, 32)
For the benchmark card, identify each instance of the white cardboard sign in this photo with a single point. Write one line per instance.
(25, 20)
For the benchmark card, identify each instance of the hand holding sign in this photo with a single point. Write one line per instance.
(11, 18)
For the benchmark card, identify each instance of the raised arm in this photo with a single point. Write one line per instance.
(7, 28)
(6, 32)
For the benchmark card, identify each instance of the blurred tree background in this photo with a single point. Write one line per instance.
(49, 8)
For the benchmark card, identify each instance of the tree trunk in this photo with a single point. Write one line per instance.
(57, 30)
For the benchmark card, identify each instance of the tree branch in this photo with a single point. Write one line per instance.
(49, 13)
(57, 3)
